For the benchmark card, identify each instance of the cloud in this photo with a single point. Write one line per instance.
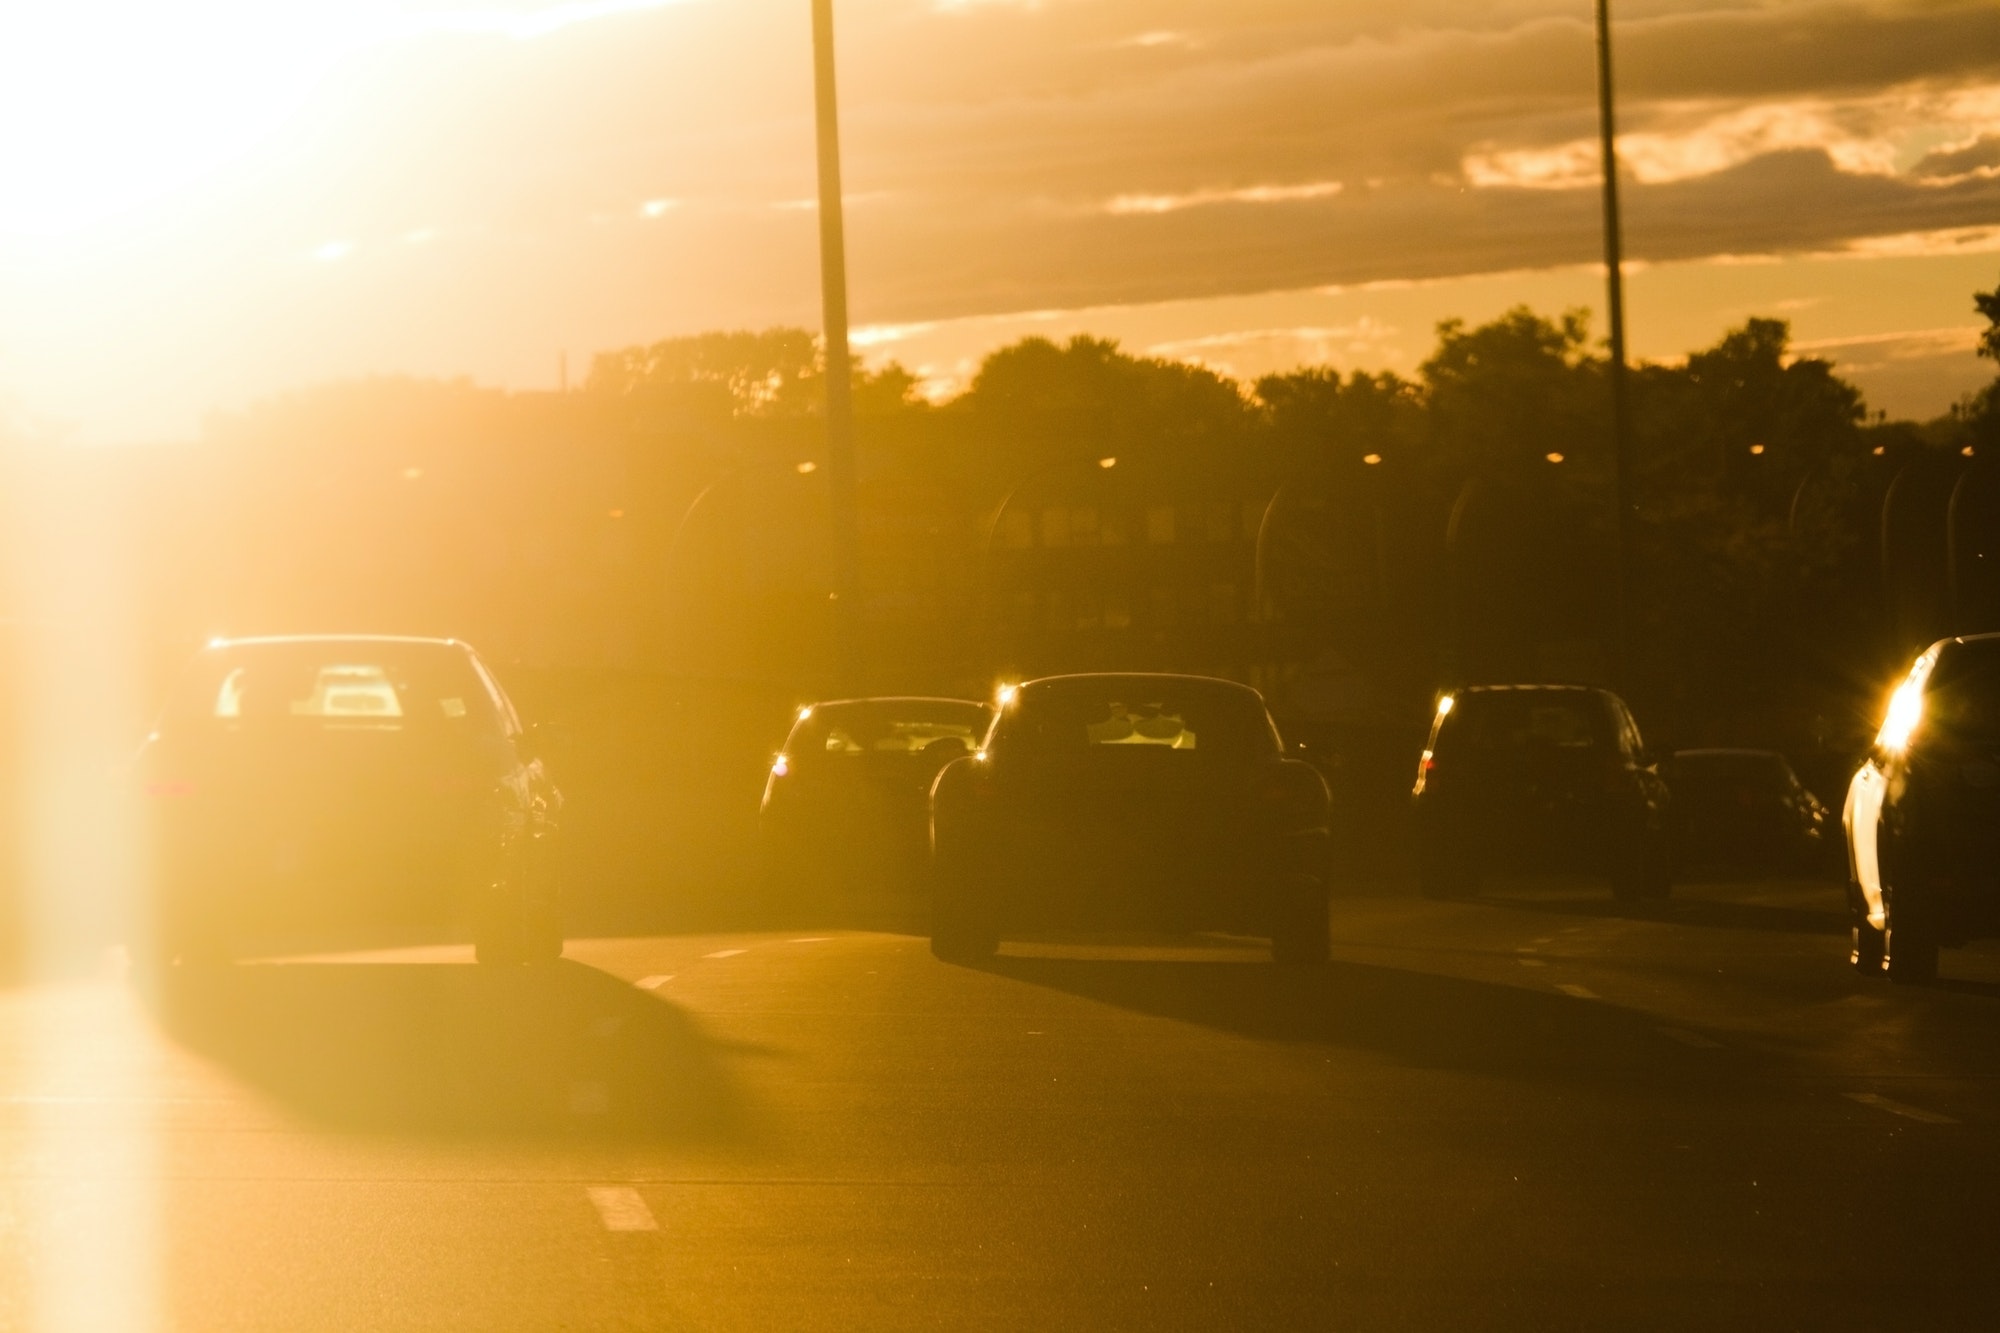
(1255, 194)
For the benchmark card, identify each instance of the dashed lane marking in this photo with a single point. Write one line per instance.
(1578, 992)
(725, 953)
(1903, 1109)
(654, 983)
(620, 1208)
(813, 939)
(1686, 1038)
(1531, 962)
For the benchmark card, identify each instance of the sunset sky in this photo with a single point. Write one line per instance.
(208, 201)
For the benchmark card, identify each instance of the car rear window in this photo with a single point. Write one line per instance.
(900, 727)
(1528, 720)
(1139, 715)
(335, 687)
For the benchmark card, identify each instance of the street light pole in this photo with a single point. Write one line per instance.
(1614, 277)
(841, 476)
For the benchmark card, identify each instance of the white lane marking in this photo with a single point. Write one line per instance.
(725, 953)
(813, 939)
(654, 983)
(1527, 948)
(1686, 1038)
(1578, 992)
(1903, 1109)
(620, 1208)
(1546, 939)
(1531, 962)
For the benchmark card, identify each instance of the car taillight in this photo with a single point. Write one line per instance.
(168, 787)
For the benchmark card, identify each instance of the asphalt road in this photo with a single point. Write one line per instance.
(1539, 1110)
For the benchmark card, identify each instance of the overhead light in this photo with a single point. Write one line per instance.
(1371, 459)
(808, 467)
(412, 473)
(1555, 458)
(1756, 448)
(1107, 462)
(1967, 451)
(617, 513)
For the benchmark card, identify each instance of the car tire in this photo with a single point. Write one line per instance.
(1868, 949)
(1302, 936)
(1912, 954)
(962, 926)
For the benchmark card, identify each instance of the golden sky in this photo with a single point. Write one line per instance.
(206, 201)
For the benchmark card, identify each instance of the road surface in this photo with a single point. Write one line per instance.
(1538, 1110)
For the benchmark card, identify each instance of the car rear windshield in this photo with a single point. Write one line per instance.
(889, 727)
(1962, 698)
(1141, 715)
(1513, 721)
(333, 686)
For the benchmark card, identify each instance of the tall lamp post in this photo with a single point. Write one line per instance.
(1614, 277)
(840, 464)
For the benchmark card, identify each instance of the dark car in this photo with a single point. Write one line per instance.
(847, 801)
(347, 789)
(1543, 779)
(1923, 815)
(1154, 801)
(1745, 810)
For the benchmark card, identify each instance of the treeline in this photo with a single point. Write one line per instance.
(575, 528)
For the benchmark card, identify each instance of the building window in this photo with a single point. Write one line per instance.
(1160, 525)
(1055, 526)
(1083, 526)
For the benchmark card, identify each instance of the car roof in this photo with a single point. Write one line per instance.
(1721, 752)
(1084, 678)
(263, 640)
(1488, 689)
(898, 699)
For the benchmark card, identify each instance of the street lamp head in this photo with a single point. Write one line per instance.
(1555, 458)
(807, 467)
(1371, 459)
(1107, 462)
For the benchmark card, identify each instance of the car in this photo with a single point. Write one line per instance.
(1922, 815)
(847, 801)
(348, 788)
(1542, 779)
(1745, 810)
(1130, 800)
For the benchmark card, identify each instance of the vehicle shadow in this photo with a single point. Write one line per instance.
(441, 1050)
(1414, 1018)
(1700, 905)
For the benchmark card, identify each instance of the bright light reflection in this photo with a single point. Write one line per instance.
(1906, 710)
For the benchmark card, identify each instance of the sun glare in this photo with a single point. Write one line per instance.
(107, 106)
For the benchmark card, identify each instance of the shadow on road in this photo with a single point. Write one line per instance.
(561, 1052)
(1414, 1018)
(1702, 905)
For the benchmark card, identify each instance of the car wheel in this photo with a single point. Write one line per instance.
(1301, 937)
(962, 926)
(1912, 953)
(1869, 948)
